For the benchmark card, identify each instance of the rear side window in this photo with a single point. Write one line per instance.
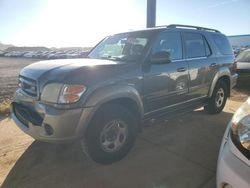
(195, 45)
(222, 44)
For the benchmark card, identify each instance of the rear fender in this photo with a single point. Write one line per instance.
(223, 71)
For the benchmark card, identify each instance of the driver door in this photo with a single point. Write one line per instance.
(165, 83)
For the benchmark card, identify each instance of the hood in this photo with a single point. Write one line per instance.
(36, 70)
(76, 71)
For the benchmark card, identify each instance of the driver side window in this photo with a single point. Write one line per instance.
(169, 42)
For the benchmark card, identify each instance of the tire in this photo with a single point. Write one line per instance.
(111, 134)
(218, 99)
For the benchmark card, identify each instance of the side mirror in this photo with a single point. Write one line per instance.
(160, 58)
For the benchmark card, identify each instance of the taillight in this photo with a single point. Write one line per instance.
(233, 67)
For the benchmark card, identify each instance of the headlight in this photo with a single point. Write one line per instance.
(51, 92)
(62, 93)
(241, 126)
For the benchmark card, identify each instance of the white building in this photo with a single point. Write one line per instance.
(239, 40)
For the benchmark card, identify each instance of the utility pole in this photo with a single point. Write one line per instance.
(151, 13)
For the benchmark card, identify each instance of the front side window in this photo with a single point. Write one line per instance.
(194, 45)
(121, 47)
(170, 43)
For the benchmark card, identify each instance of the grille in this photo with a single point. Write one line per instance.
(26, 115)
(28, 85)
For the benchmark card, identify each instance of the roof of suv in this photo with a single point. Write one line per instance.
(178, 27)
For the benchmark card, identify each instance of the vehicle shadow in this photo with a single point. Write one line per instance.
(184, 138)
(243, 87)
(4, 116)
(44, 164)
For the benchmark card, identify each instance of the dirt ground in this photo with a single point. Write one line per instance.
(181, 152)
(9, 71)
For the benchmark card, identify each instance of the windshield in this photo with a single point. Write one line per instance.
(244, 56)
(126, 47)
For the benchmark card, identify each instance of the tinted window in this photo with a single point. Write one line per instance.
(194, 45)
(222, 44)
(171, 43)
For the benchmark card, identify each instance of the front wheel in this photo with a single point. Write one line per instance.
(111, 134)
(218, 99)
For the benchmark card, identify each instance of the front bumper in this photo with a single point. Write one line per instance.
(46, 123)
(232, 168)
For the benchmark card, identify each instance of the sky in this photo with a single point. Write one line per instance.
(83, 23)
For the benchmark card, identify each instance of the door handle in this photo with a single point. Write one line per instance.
(181, 69)
(212, 65)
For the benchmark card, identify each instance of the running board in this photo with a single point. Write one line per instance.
(170, 114)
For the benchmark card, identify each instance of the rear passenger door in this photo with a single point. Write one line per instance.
(202, 64)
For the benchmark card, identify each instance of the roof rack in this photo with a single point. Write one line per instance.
(190, 26)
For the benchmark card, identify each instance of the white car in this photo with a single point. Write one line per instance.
(243, 66)
(233, 168)
(28, 54)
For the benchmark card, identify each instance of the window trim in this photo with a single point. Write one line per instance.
(209, 47)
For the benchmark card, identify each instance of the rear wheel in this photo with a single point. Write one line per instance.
(111, 134)
(218, 99)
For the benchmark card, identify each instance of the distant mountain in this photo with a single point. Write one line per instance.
(5, 46)
(10, 47)
(22, 49)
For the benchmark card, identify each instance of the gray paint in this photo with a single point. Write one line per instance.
(152, 87)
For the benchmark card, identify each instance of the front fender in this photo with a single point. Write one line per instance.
(103, 95)
(223, 71)
(109, 93)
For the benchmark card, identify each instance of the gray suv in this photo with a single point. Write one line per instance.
(126, 79)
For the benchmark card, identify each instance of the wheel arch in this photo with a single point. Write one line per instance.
(125, 96)
(223, 74)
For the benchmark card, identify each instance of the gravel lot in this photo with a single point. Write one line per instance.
(9, 70)
(180, 152)
(177, 153)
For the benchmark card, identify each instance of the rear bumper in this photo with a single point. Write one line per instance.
(231, 169)
(243, 77)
